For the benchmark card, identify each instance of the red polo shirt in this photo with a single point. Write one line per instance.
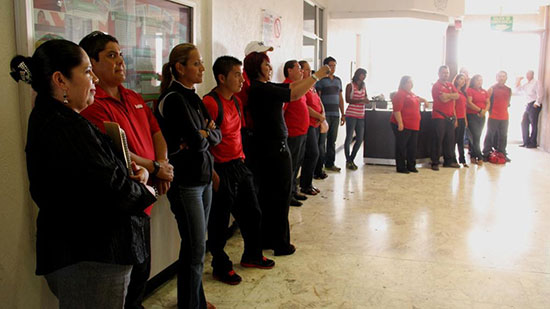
(296, 115)
(479, 98)
(314, 101)
(446, 108)
(460, 106)
(231, 146)
(501, 99)
(408, 104)
(133, 116)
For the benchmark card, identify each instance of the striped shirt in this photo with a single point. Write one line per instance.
(357, 110)
(330, 90)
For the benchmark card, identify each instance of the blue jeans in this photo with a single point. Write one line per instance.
(332, 136)
(357, 125)
(191, 207)
(90, 285)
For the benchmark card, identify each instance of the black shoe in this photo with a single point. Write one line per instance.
(263, 263)
(453, 165)
(333, 168)
(295, 203)
(435, 167)
(285, 251)
(229, 277)
(507, 159)
(522, 145)
(321, 176)
(300, 197)
(309, 191)
(531, 146)
(403, 171)
(412, 170)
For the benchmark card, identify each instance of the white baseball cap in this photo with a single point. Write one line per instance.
(256, 46)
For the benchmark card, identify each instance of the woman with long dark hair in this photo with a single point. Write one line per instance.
(460, 110)
(356, 96)
(478, 105)
(272, 169)
(90, 225)
(189, 132)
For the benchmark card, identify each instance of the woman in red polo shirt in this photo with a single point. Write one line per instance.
(460, 110)
(405, 122)
(478, 105)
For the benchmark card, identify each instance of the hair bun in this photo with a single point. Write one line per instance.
(20, 69)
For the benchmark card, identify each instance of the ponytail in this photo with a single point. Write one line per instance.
(166, 77)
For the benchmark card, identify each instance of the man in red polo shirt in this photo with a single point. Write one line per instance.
(297, 121)
(497, 125)
(444, 120)
(147, 146)
(234, 188)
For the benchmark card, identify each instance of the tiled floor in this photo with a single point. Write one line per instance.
(457, 238)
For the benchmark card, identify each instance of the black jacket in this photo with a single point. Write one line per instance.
(89, 210)
(183, 115)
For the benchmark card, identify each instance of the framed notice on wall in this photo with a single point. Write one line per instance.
(271, 29)
(146, 30)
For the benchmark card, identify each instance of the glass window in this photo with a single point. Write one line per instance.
(312, 48)
(320, 29)
(146, 30)
(309, 17)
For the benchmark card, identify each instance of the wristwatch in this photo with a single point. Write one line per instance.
(156, 166)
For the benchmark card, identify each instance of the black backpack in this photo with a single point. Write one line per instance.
(216, 97)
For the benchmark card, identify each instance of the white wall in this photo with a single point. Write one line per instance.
(19, 287)
(236, 25)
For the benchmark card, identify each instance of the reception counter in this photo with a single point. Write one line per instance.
(379, 141)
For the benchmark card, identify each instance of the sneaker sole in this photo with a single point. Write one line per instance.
(249, 265)
(226, 282)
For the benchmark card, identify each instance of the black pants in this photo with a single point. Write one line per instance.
(322, 142)
(475, 126)
(273, 172)
(140, 275)
(443, 141)
(405, 148)
(236, 195)
(297, 147)
(332, 136)
(310, 158)
(530, 119)
(496, 137)
(459, 138)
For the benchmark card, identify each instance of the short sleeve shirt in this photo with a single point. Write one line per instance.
(330, 90)
(296, 115)
(499, 105)
(408, 104)
(479, 98)
(231, 147)
(314, 101)
(460, 105)
(439, 106)
(133, 116)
